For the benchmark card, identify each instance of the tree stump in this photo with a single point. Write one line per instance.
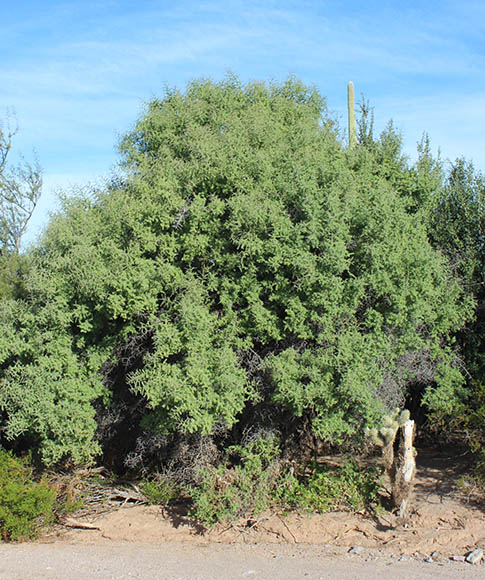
(404, 469)
(400, 466)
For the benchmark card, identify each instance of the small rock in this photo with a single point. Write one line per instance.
(429, 560)
(434, 555)
(356, 550)
(475, 556)
(458, 558)
(402, 559)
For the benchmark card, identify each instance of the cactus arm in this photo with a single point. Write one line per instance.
(351, 115)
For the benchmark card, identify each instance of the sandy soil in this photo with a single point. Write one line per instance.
(139, 541)
(444, 520)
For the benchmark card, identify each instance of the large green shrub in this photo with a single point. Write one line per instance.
(245, 257)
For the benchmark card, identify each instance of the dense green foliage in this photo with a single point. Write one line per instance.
(245, 259)
(25, 506)
(458, 228)
(451, 203)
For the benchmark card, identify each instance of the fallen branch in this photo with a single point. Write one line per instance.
(70, 523)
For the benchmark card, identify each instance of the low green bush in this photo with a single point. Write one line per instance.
(347, 488)
(160, 490)
(241, 486)
(25, 505)
(472, 422)
(257, 479)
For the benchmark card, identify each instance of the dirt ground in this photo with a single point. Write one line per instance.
(445, 521)
(140, 541)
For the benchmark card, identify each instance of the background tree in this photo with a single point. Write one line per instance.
(458, 229)
(450, 202)
(20, 189)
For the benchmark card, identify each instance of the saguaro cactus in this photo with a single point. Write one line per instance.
(351, 115)
(401, 469)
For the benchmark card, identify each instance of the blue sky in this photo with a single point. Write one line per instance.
(77, 73)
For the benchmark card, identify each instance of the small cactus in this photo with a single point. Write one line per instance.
(402, 468)
(404, 417)
(390, 425)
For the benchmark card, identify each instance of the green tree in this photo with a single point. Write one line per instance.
(245, 258)
(451, 204)
(458, 229)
